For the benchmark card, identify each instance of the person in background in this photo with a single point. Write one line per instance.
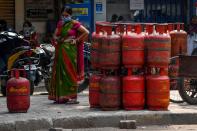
(3, 25)
(27, 29)
(30, 34)
(68, 66)
(120, 18)
(114, 18)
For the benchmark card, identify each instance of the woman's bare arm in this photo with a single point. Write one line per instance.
(83, 34)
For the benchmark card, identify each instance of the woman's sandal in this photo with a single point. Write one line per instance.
(72, 102)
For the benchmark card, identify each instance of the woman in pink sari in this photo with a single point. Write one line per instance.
(68, 67)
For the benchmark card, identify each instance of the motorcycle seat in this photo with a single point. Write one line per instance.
(17, 49)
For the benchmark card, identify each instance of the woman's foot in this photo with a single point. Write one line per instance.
(72, 101)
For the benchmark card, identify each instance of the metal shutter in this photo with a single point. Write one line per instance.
(7, 11)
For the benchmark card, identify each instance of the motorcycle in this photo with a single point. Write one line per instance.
(26, 62)
(16, 53)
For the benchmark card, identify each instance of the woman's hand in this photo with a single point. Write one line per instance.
(73, 42)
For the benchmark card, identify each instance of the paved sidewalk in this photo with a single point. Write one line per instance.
(44, 114)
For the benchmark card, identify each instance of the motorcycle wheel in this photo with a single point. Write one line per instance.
(47, 84)
(31, 87)
(188, 90)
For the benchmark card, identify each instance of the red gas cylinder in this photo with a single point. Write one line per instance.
(133, 48)
(18, 93)
(179, 40)
(94, 90)
(96, 45)
(110, 49)
(133, 92)
(158, 47)
(110, 93)
(158, 92)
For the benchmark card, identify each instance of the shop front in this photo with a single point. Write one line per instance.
(90, 11)
(157, 11)
(39, 13)
(193, 12)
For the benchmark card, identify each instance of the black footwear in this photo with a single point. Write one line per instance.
(60, 102)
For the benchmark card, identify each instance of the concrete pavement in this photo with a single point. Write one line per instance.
(44, 114)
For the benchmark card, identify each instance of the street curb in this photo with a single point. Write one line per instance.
(90, 121)
(114, 121)
(27, 125)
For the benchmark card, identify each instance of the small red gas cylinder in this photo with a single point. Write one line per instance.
(18, 93)
(94, 90)
(158, 92)
(110, 49)
(96, 45)
(133, 47)
(110, 93)
(158, 47)
(133, 92)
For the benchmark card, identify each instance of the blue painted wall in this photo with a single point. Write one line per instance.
(85, 18)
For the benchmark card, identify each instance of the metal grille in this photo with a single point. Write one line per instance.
(7, 11)
(165, 10)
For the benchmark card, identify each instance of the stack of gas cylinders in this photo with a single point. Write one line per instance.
(131, 65)
(158, 45)
(105, 87)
